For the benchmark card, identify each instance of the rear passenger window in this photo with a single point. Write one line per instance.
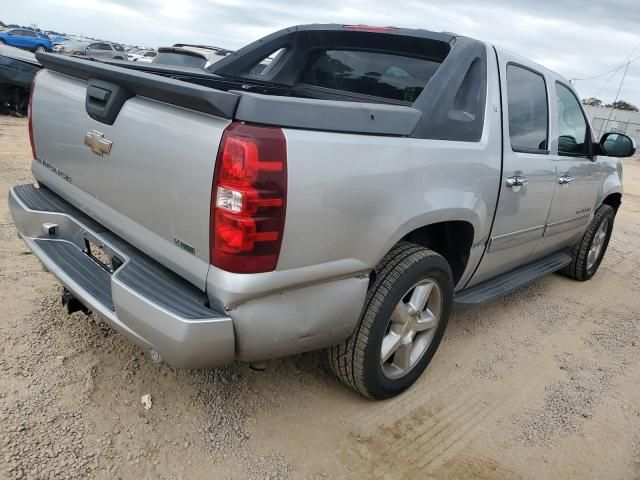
(528, 110)
(375, 74)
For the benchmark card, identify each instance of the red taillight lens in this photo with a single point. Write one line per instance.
(30, 115)
(248, 199)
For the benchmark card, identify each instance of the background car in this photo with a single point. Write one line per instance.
(137, 53)
(71, 47)
(26, 39)
(147, 57)
(184, 55)
(106, 50)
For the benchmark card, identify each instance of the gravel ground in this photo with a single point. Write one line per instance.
(544, 383)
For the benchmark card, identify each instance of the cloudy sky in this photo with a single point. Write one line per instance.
(578, 38)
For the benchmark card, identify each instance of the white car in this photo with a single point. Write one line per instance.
(136, 54)
(147, 57)
(71, 47)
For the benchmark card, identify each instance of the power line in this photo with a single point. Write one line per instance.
(614, 70)
(616, 99)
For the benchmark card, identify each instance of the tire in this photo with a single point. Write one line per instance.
(403, 275)
(585, 255)
(40, 48)
(2, 42)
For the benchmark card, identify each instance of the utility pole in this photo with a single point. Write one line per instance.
(604, 130)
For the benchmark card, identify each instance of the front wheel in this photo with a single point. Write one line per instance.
(40, 48)
(588, 253)
(406, 312)
(2, 42)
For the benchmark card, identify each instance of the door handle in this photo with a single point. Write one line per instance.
(565, 179)
(516, 182)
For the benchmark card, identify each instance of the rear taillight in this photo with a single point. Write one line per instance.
(30, 115)
(248, 199)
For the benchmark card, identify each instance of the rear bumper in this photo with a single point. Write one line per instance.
(141, 299)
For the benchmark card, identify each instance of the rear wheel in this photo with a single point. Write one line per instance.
(404, 318)
(2, 42)
(588, 253)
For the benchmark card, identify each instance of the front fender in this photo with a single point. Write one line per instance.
(612, 182)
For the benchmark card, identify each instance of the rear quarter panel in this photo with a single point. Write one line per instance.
(352, 197)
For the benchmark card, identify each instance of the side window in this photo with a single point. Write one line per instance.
(528, 110)
(92, 46)
(573, 133)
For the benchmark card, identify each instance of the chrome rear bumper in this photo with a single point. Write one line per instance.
(140, 298)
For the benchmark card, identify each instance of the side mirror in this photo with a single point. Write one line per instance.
(617, 145)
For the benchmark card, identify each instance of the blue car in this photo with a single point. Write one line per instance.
(26, 39)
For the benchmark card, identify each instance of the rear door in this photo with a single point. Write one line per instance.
(529, 171)
(18, 38)
(579, 176)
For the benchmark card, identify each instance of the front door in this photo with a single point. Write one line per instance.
(529, 171)
(579, 176)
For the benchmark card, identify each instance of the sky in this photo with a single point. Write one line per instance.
(577, 38)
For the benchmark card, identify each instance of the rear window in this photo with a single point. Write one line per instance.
(180, 59)
(376, 74)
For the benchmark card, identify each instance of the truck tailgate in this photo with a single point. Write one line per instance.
(147, 176)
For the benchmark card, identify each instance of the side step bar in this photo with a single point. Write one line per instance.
(508, 282)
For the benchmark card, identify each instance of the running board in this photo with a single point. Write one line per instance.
(510, 281)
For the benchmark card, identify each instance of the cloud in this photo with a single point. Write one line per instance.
(573, 37)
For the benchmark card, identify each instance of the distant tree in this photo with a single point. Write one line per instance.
(592, 102)
(622, 105)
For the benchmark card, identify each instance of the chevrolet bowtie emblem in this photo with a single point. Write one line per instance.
(98, 144)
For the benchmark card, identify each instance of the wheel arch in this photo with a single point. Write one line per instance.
(614, 200)
(454, 234)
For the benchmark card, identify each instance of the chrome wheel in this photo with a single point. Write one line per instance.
(411, 328)
(597, 244)
(40, 48)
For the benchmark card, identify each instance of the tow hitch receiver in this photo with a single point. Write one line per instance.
(73, 304)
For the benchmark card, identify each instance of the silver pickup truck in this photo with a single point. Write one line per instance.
(334, 187)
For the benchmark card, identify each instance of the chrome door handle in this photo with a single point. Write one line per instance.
(516, 181)
(565, 179)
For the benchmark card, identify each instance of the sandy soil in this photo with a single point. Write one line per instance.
(544, 383)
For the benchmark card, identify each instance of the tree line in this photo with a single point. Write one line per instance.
(618, 104)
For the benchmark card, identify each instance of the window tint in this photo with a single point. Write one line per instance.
(572, 126)
(528, 110)
(180, 59)
(369, 73)
(118, 48)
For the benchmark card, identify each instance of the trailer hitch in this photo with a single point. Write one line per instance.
(73, 304)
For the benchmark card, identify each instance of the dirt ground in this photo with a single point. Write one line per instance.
(544, 383)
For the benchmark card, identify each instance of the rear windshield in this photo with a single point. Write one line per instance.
(180, 59)
(385, 75)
